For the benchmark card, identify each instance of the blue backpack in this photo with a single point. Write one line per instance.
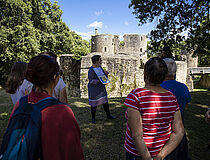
(22, 139)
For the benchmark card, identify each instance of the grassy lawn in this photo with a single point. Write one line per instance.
(105, 139)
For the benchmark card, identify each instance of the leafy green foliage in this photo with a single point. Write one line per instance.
(122, 43)
(30, 27)
(173, 18)
(80, 47)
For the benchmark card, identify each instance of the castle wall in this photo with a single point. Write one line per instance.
(116, 44)
(181, 72)
(124, 63)
(134, 43)
(125, 74)
(71, 74)
(103, 43)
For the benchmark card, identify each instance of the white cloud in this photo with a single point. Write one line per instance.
(126, 23)
(96, 24)
(86, 36)
(98, 13)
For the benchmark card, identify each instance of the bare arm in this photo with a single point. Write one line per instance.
(175, 138)
(135, 124)
(63, 96)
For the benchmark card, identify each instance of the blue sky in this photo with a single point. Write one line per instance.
(108, 16)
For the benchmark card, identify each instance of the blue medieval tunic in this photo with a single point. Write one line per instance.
(96, 90)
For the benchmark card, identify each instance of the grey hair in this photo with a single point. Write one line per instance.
(171, 65)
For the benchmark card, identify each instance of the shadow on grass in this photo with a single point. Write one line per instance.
(198, 131)
(105, 139)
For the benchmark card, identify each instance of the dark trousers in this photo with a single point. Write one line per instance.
(130, 156)
(106, 109)
(180, 153)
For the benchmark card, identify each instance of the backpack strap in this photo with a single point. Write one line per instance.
(44, 103)
(22, 109)
(39, 106)
(35, 109)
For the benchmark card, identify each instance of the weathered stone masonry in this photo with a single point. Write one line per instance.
(124, 63)
(125, 74)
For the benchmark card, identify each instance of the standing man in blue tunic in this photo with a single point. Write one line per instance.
(182, 94)
(96, 87)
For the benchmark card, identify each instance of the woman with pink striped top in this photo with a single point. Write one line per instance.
(154, 123)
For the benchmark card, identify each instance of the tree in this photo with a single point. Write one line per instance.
(29, 27)
(173, 18)
(80, 47)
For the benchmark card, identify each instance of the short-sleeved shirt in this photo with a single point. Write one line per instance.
(26, 86)
(60, 85)
(180, 90)
(157, 111)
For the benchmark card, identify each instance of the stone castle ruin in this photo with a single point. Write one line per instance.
(123, 60)
(133, 45)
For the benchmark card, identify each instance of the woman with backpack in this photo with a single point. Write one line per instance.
(39, 112)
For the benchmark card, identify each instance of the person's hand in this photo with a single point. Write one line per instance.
(207, 116)
(160, 156)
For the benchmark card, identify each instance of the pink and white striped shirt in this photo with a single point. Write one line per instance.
(157, 111)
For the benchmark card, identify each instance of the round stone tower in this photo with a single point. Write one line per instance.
(103, 43)
(135, 43)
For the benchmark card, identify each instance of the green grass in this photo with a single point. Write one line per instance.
(105, 139)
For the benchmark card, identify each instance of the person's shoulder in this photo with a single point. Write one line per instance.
(169, 93)
(171, 83)
(26, 81)
(139, 91)
(62, 105)
(90, 69)
(184, 86)
(26, 84)
(59, 109)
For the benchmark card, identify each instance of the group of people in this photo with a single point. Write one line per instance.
(40, 80)
(155, 113)
(18, 86)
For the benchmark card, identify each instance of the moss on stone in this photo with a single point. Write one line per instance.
(113, 82)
